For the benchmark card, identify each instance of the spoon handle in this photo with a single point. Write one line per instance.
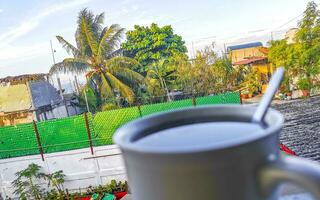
(273, 86)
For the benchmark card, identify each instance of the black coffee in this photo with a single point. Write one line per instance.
(200, 134)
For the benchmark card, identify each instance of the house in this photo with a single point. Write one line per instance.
(46, 101)
(15, 105)
(255, 56)
(290, 35)
(31, 99)
(23, 79)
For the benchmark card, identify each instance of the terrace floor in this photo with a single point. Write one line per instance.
(301, 131)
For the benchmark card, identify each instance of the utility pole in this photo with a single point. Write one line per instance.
(193, 50)
(53, 51)
(77, 84)
(58, 79)
(225, 50)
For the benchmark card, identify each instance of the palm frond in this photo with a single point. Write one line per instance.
(70, 65)
(99, 19)
(106, 89)
(130, 75)
(89, 36)
(68, 47)
(122, 66)
(118, 62)
(110, 39)
(123, 89)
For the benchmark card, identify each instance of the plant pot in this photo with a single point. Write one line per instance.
(305, 93)
(119, 195)
(83, 198)
(244, 96)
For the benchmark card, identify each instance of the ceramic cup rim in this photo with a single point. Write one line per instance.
(127, 134)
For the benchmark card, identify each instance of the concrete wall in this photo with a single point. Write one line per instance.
(81, 168)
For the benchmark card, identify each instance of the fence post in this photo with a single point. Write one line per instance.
(139, 109)
(88, 131)
(35, 128)
(194, 103)
(240, 97)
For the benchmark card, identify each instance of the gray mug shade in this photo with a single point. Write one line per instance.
(249, 168)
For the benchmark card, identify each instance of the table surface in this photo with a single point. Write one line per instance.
(302, 196)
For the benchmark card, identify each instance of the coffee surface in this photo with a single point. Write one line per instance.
(200, 134)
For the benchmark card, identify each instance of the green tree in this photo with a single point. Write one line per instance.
(149, 45)
(96, 54)
(301, 59)
(160, 76)
(285, 55)
(55, 180)
(26, 184)
(308, 43)
(207, 73)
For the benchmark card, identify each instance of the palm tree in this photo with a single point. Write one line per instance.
(96, 54)
(162, 73)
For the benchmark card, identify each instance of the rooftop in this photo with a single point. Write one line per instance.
(44, 94)
(22, 79)
(244, 46)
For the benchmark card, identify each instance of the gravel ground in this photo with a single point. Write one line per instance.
(301, 131)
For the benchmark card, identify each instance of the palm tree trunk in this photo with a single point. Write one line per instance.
(166, 89)
(97, 93)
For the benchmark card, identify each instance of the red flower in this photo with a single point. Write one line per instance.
(285, 149)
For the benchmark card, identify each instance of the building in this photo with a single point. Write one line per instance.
(290, 35)
(15, 105)
(255, 56)
(23, 79)
(31, 97)
(244, 51)
(46, 101)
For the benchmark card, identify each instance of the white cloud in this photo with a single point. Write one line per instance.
(30, 24)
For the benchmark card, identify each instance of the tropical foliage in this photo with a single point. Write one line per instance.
(160, 76)
(96, 54)
(149, 45)
(207, 73)
(27, 183)
(301, 58)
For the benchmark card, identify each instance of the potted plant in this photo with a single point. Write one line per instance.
(252, 89)
(244, 94)
(289, 93)
(304, 86)
(119, 189)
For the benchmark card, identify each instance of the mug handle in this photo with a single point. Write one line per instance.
(303, 172)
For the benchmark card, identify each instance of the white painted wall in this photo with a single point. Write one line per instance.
(80, 167)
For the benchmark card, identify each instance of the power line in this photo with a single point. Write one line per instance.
(288, 22)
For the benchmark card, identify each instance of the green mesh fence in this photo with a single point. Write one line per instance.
(227, 98)
(70, 133)
(17, 140)
(64, 134)
(106, 123)
(55, 135)
(161, 107)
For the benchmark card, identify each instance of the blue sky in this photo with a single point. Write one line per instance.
(27, 26)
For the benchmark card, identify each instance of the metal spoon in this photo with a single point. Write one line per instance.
(265, 102)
